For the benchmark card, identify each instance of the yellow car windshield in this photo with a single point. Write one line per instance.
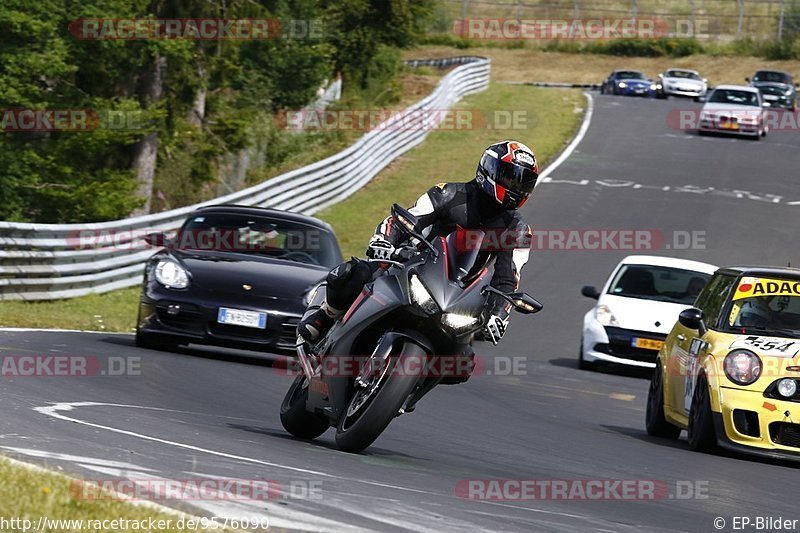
(767, 306)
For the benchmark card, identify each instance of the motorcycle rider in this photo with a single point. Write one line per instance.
(504, 180)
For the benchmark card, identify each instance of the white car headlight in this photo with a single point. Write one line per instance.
(652, 86)
(743, 367)
(604, 315)
(171, 274)
(622, 84)
(420, 295)
(457, 321)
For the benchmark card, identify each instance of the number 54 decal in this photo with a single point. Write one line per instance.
(768, 345)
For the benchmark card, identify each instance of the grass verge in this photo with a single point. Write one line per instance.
(28, 494)
(547, 120)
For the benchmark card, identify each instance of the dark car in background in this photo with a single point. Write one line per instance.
(777, 88)
(628, 83)
(233, 276)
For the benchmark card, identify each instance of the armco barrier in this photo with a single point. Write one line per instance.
(44, 261)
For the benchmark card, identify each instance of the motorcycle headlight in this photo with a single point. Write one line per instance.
(171, 275)
(458, 322)
(420, 295)
(652, 86)
(743, 367)
(604, 315)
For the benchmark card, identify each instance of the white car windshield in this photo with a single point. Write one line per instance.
(686, 74)
(664, 284)
(734, 97)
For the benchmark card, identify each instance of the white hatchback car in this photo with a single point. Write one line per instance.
(637, 308)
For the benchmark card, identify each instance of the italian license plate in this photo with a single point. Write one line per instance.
(240, 317)
(647, 344)
(770, 97)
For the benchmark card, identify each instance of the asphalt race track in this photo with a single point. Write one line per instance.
(200, 414)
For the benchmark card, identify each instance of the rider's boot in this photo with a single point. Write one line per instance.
(316, 323)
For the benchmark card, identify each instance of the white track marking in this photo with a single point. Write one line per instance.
(45, 330)
(587, 120)
(54, 411)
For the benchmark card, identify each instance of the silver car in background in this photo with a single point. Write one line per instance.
(681, 82)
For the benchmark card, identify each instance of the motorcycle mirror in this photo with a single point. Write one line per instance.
(524, 303)
(405, 218)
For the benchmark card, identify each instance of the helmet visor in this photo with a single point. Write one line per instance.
(516, 178)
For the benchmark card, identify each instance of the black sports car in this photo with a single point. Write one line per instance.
(776, 87)
(233, 276)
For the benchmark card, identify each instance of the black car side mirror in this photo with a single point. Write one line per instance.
(693, 318)
(156, 239)
(590, 291)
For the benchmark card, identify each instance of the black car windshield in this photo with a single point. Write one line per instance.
(660, 283)
(686, 74)
(630, 75)
(772, 77)
(735, 97)
(762, 306)
(252, 234)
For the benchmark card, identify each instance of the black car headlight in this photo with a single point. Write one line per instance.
(171, 275)
(743, 367)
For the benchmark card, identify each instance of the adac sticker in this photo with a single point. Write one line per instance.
(749, 287)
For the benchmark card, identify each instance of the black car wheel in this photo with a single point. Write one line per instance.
(154, 341)
(294, 417)
(701, 426)
(655, 422)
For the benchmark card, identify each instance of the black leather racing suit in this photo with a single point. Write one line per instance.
(440, 211)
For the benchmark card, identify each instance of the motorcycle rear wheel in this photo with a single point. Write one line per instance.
(367, 417)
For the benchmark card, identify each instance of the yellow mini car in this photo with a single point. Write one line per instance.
(729, 371)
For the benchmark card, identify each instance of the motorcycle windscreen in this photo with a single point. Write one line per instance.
(463, 248)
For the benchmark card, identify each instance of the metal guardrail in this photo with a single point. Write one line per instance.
(52, 261)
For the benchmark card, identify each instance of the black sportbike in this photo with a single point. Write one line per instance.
(412, 311)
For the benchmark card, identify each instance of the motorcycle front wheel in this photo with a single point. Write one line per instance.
(372, 407)
(294, 417)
